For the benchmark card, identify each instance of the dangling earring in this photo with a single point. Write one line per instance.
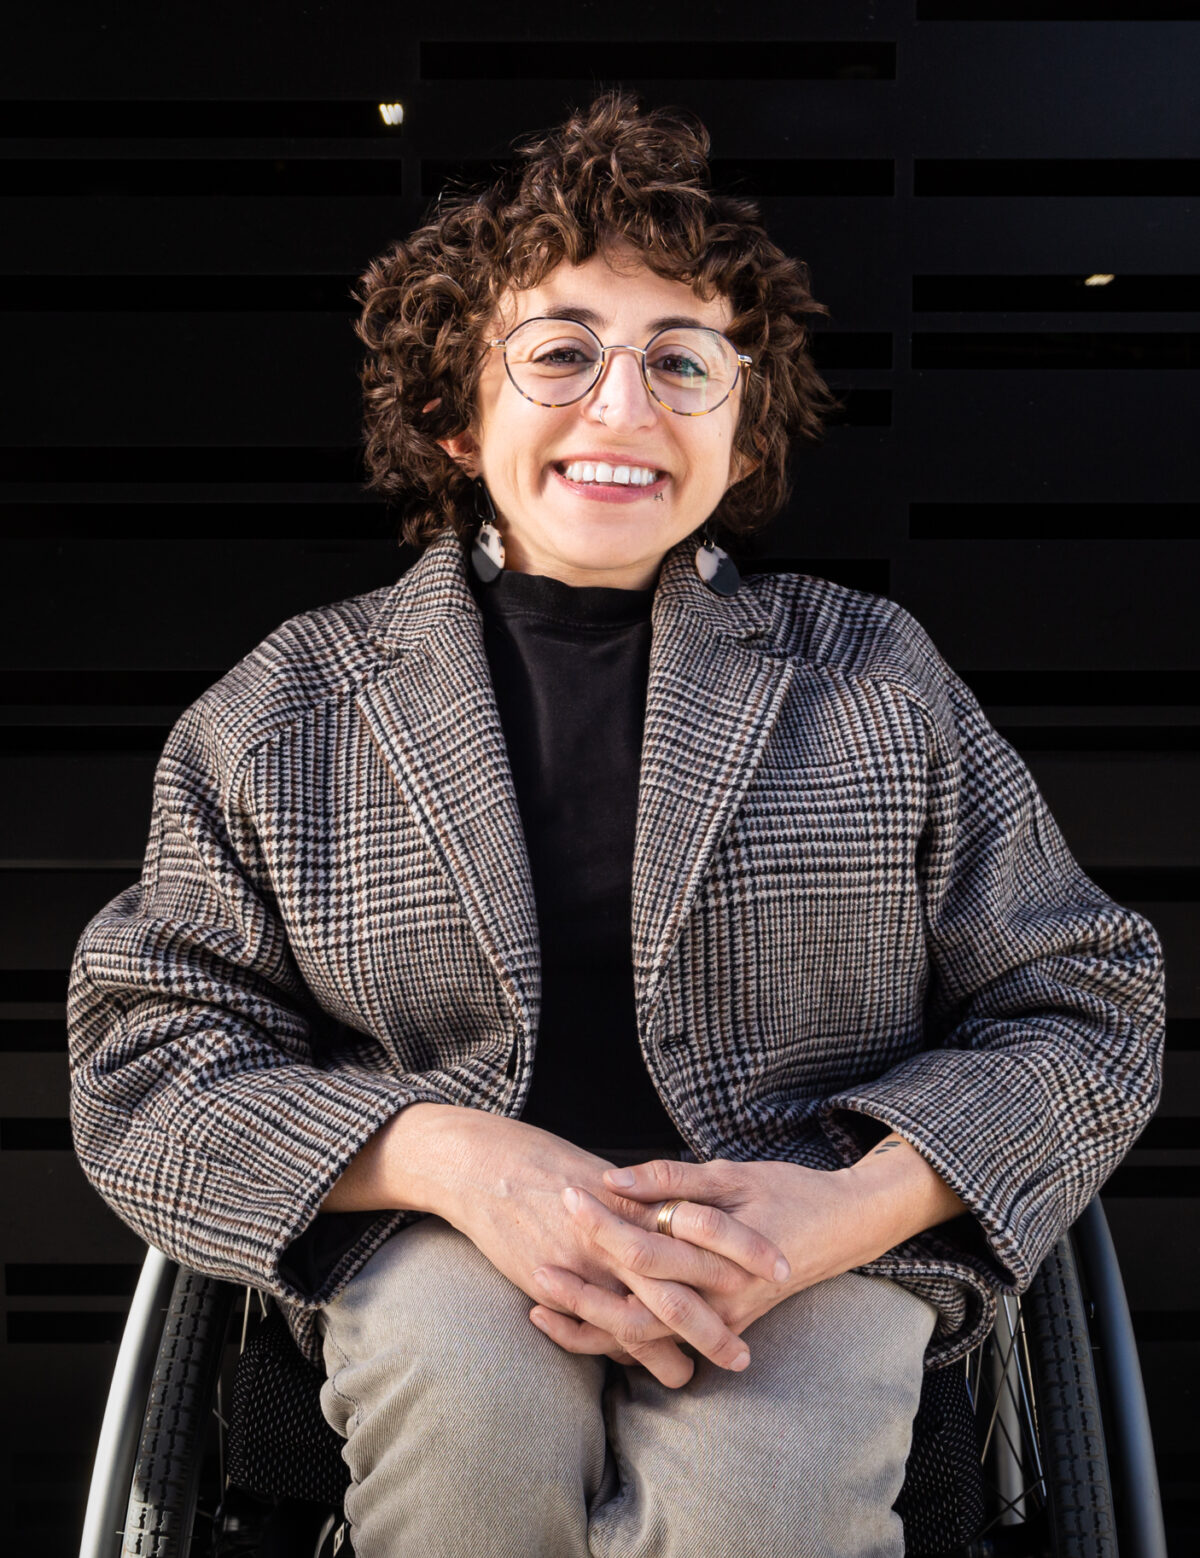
(487, 551)
(716, 567)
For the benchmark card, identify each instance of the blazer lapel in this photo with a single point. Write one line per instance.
(716, 687)
(432, 713)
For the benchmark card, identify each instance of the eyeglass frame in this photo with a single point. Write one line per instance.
(616, 346)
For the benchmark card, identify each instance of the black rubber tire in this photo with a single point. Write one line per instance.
(1079, 1494)
(170, 1456)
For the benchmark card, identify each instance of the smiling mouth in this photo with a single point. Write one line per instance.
(633, 477)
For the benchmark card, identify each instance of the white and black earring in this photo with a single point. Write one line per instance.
(487, 550)
(716, 567)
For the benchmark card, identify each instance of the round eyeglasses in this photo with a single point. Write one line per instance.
(687, 369)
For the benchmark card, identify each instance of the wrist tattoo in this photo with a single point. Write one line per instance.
(886, 1146)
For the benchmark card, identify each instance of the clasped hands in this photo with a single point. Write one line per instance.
(746, 1236)
(579, 1236)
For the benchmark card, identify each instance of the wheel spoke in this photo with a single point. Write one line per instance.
(1010, 1504)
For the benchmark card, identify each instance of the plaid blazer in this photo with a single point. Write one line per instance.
(852, 912)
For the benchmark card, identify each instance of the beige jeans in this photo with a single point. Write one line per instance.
(470, 1434)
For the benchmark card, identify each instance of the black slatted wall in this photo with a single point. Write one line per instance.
(1002, 215)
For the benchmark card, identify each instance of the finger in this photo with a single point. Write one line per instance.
(574, 1335)
(681, 1308)
(660, 1356)
(639, 1317)
(619, 1316)
(579, 1337)
(708, 1226)
(665, 1361)
(664, 1179)
(637, 1249)
(706, 1247)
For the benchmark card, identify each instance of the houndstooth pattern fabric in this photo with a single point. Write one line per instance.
(852, 912)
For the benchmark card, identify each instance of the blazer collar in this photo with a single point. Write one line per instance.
(434, 590)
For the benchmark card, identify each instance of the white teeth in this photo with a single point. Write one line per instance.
(622, 475)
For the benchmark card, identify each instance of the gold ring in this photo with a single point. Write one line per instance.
(665, 1213)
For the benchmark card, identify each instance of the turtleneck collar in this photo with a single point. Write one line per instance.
(535, 594)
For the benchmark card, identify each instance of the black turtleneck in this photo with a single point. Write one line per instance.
(569, 665)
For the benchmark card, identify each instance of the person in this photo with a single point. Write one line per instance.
(633, 1014)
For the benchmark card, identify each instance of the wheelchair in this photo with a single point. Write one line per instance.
(1037, 1445)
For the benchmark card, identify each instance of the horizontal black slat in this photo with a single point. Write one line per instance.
(28, 740)
(1029, 349)
(1148, 884)
(198, 118)
(70, 1279)
(665, 59)
(757, 177)
(176, 463)
(1140, 1182)
(1053, 11)
(240, 521)
(837, 350)
(863, 407)
(31, 1035)
(35, 1134)
(33, 984)
(89, 1325)
(1053, 521)
(1153, 686)
(987, 294)
(131, 294)
(1171, 1133)
(133, 687)
(1105, 176)
(267, 177)
(1145, 740)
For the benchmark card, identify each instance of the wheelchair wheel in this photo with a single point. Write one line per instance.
(181, 1504)
(171, 1463)
(1033, 1386)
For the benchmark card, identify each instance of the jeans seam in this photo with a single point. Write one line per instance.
(342, 1395)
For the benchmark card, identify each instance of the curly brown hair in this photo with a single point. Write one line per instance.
(611, 172)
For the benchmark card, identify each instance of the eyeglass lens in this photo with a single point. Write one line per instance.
(555, 361)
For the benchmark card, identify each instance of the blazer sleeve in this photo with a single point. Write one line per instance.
(1045, 1011)
(199, 1107)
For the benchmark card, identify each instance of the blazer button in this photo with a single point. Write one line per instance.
(673, 1041)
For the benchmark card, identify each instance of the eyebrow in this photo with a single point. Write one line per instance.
(589, 316)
